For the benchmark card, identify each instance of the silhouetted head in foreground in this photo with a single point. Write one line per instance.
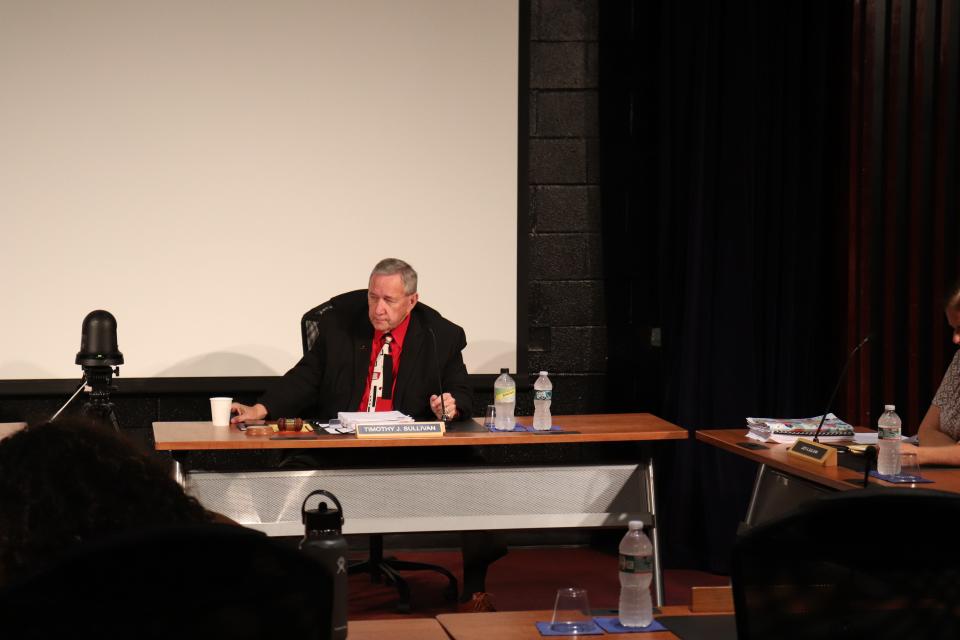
(68, 482)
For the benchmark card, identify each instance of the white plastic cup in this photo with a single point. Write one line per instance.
(220, 411)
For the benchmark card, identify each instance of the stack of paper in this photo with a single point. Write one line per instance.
(788, 430)
(352, 418)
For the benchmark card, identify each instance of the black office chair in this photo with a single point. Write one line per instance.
(376, 565)
(872, 563)
(180, 582)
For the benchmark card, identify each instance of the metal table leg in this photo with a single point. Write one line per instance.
(655, 538)
(753, 495)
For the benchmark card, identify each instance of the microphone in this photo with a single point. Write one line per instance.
(869, 458)
(843, 372)
(436, 362)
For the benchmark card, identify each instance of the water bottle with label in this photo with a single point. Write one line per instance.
(542, 397)
(636, 572)
(505, 400)
(888, 437)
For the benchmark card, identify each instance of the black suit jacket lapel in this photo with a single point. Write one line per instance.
(412, 345)
(362, 339)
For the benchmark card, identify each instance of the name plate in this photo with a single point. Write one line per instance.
(401, 430)
(810, 451)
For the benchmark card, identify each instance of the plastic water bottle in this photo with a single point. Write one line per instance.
(542, 396)
(636, 571)
(888, 435)
(505, 400)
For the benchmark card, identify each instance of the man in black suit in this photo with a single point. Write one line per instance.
(338, 372)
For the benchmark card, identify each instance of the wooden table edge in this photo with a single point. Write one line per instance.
(665, 611)
(662, 430)
(407, 626)
(807, 471)
(348, 442)
(451, 621)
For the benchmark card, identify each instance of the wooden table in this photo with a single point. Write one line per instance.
(397, 629)
(389, 496)
(613, 427)
(520, 625)
(783, 482)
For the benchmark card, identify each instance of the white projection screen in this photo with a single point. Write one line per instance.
(208, 170)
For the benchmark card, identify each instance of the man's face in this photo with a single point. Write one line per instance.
(387, 304)
(953, 319)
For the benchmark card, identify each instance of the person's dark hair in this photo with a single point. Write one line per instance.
(66, 482)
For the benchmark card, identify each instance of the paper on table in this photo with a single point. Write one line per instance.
(826, 426)
(353, 418)
(869, 437)
(899, 479)
(783, 439)
(332, 429)
(546, 629)
(611, 624)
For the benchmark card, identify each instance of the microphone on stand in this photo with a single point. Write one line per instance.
(870, 461)
(843, 372)
(436, 362)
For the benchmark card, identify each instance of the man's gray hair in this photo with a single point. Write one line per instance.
(392, 266)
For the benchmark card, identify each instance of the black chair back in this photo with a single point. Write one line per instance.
(310, 321)
(347, 303)
(874, 563)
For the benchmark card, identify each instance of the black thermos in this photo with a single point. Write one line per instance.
(323, 540)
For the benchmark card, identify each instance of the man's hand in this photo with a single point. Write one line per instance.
(448, 403)
(247, 414)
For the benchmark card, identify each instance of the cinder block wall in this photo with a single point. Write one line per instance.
(567, 325)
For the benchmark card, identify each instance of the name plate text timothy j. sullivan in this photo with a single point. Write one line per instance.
(401, 430)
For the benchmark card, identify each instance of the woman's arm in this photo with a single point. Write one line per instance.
(936, 447)
(946, 454)
(930, 433)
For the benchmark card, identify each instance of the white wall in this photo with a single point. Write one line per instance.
(207, 170)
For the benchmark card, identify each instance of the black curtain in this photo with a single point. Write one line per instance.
(724, 155)
(904, 228)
